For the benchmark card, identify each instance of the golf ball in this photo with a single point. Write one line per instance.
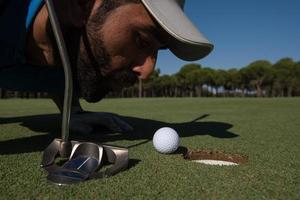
(166, 140)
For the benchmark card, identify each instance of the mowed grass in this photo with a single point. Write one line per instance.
(266, 130)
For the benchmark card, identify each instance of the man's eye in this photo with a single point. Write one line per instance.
(141, 42)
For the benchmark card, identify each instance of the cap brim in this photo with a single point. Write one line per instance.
(186, 42)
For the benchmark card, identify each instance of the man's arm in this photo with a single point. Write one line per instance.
(59, 102)
(85, 122)
(42, 79)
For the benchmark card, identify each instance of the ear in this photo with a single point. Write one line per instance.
(79, 11)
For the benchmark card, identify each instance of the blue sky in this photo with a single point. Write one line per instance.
(242, 31)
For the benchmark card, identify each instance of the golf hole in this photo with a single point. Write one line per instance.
(212, 157)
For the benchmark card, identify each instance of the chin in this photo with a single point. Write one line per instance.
(94, 89)
(93, 95)
(93, 98)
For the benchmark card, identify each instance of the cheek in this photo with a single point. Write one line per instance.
(118, 43)
(119, 62)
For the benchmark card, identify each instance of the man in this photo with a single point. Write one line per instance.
(111, 44)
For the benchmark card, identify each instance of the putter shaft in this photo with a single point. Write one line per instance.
(67, 70)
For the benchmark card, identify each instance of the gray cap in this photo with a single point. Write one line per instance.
(187, 42)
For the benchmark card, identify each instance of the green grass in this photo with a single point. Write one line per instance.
(266, 130)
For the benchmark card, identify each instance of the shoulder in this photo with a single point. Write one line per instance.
(16, 16)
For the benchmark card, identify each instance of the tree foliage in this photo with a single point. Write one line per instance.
(260, 78)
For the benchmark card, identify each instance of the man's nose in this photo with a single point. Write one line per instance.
(145, 68)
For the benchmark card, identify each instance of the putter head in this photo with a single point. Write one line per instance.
(84, 161)
(57, 147)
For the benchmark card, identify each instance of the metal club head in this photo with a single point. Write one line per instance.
(85, 160)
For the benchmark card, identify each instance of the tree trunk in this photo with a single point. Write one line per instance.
(140, 88)
(16, 94)
(199, 91)
(243, 92)
(258, 91)
(282, 93)
(176, 91)
(191, 93)
(233, 91)
(152, 92)
(171, 92)
(289, 91)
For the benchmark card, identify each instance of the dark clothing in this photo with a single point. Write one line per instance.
(15, 74)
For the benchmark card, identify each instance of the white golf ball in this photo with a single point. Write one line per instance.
(166, 140)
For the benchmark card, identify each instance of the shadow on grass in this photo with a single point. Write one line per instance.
(143, 130)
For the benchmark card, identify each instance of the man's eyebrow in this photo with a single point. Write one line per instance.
(156, 33)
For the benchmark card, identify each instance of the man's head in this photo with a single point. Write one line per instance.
(115, 42)
(119, 44)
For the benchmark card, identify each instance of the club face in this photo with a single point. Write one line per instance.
(66, 177)
(87, 149)
(57, 147)
(75, 170)
(86, 164)
(85, 159)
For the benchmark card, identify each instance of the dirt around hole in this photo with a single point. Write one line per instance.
(206, 154)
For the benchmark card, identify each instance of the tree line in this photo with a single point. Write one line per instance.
(260, 78)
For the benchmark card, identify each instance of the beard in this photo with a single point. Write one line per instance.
(94, 77)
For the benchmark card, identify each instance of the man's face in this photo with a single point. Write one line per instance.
(118, 51)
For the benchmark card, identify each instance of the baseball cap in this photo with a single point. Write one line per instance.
(186, 41)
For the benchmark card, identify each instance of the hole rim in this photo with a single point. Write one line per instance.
(215, 155)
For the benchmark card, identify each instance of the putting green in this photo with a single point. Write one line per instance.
(266, 130)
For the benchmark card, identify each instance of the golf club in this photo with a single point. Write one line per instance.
(85, 158)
